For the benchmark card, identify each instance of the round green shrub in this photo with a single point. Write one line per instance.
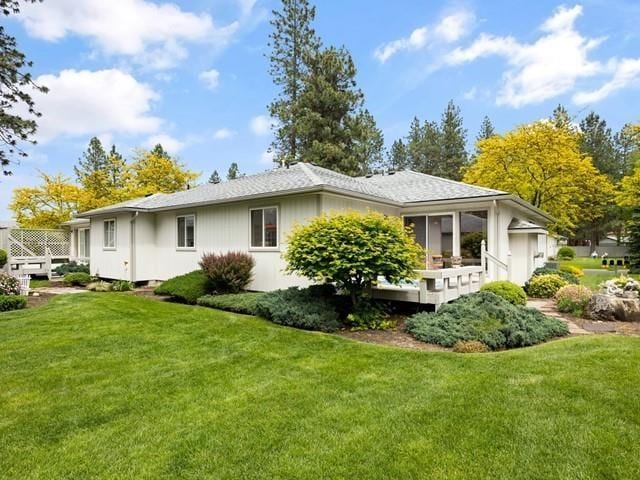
(187, 288)
(566, 253)
(573, 299)
(12, 302)
(566, 276)
(487, 318)
(3, 258)
(78, 279)
(511, 292)
(545, 286)
(470, 346)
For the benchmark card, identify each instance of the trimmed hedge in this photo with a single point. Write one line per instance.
(3, 258)
(308, 308)
(233, 302)
(487, 318)
(511, 292)
(187, 288)
(566, 253)
(12, 302)
(566, 276)
(77, 279)
(71, 267)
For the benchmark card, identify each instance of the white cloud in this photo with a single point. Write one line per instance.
(171, 144)
(541, 70)
(267, 157)
(450, 29)
(223, 134)
(211, 78)
(246, 6)
(626, 72)
(84, 103)
(150, 32)
(261, 125)
(470, 94)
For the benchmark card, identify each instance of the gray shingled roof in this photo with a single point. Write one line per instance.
(399, 188)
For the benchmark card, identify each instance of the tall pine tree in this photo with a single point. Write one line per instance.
(453, 153)
(215, 177)
(398, 158)
(597, 142)
(486, 129)
(561, 118)
(293, 42)
(234, 171)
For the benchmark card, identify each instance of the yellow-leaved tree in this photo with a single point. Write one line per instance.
(155, 171)
(542, 164)
(47, 205)
(629, 195)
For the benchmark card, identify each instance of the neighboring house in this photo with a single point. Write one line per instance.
(163, 235)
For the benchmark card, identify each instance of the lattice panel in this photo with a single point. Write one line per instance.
(39, 243)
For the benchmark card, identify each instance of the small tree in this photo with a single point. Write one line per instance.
(352, 249)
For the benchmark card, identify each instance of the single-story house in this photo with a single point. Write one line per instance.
(164, 235)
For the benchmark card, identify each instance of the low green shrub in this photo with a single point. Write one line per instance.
(487, 318)
(305, 308)
(573, 270)
(122, 286)
(245, 302)
(228, 272)
(573, 299)
(3, 258)
(567, 276)
(566, 253)
(511, 292)
(71, 267)
(78, 279)
(187, 288)
(9, 285)
(545, 286)
(470, 346)
(12, 302)
(369, 315)
(99, 286)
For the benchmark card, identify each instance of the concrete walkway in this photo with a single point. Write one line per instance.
(548, 307)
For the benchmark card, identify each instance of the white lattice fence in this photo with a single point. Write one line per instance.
(39, 243)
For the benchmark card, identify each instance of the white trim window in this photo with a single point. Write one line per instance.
(83, 242)
(109, 234)
(186, 227)
(263, 223)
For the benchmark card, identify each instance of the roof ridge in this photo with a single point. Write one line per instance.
(311, 174)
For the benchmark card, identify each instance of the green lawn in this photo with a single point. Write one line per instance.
(588, 262)
(116, 386)
(594, 279)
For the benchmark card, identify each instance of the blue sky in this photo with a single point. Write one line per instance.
(193, 74)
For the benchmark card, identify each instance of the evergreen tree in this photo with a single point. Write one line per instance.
(293, 41)
(398, 158)
(233, 172)
(561, 118)
(15, 87)
(597, 142)
(431, 148)
(160, 152)
(633, 232)
(215, 177)
(627, 145)
(453, 154)
(334, 131)
(486, 129)
(93, 159)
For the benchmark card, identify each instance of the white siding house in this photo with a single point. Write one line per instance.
(164, 235)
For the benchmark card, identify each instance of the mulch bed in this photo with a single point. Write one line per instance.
(394, 337)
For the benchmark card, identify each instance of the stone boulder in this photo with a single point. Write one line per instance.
(611, 308)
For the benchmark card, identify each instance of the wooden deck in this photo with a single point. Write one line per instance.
(435, 287)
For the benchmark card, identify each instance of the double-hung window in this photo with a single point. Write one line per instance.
(83, 242)
(186, 231)
(264, 227)
(109, 236)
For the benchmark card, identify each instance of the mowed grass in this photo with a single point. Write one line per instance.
(117, 386)
(591, 263)
(594, 279)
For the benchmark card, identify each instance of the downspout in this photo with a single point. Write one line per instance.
(132, 248)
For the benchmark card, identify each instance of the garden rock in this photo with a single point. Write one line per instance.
(610, 308)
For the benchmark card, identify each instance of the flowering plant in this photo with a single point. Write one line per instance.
(9, 285)
(619, 286)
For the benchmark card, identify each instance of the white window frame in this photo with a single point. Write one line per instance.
(105, 243)
(195, 242)
(263, 248)
(82, 234)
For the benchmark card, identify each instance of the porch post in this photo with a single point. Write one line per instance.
(456, 234)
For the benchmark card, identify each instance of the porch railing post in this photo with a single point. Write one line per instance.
(483, 261)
